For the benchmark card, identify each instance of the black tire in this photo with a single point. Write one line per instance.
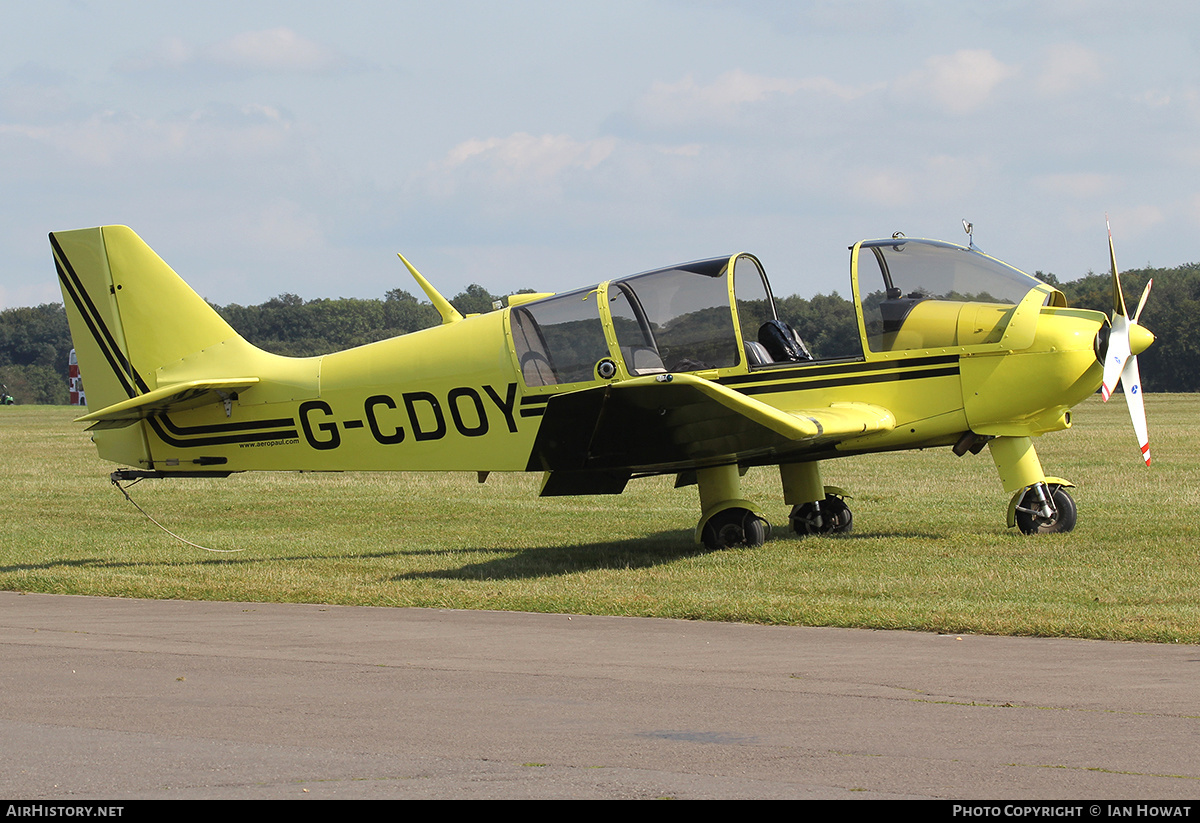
(830, 516)
(754, 530)
(1062, 521)
(734, 527)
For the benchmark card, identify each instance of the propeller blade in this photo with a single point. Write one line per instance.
(1131, 382)
(1118, 349)
(1118, 297)
(1120, 363)
(1116, 355)
(1142, 302)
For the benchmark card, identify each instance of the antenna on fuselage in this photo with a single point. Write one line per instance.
(969, 228)
(448, 312)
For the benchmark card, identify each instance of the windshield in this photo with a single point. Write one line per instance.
(925, 294)
(923, 268)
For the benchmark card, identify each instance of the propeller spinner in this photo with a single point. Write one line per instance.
(1118, 348)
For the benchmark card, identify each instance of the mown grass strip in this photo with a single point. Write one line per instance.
(930, 551)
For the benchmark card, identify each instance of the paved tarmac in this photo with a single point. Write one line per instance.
(105, 698)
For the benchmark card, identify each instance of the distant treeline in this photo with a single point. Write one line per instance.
(35, 342)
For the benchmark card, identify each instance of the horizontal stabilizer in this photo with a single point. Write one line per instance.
(177, 397)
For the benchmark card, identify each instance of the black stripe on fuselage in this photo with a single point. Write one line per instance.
(535, 405)
(228, 440)
(216, 428)
(842, 374)
(813, 376)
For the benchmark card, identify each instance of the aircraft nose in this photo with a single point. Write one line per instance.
(1140, 338)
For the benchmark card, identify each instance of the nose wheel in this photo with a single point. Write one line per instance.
(1046, 509)
(828, 516)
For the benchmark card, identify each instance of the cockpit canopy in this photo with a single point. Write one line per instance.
(937, 295)
(677, 319)
(718, 315)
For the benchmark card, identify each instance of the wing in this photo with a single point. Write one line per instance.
(675, 422)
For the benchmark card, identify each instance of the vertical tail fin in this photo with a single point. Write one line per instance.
(130, 316)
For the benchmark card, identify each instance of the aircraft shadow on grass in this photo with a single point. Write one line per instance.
(652, 550)
(532, 561)
(516, 563)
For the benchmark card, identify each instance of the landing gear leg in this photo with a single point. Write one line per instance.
(727, 519)
(816, 509)
(1040, 504)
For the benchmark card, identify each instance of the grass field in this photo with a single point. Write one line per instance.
(930, 550)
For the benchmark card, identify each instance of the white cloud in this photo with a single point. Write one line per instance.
(1135, 221)
(1085, 185)
(939, 180)
(274, 50)
(105, 138)
(169, 54)
(730, 95)
(1068, 68)
(764, 131)
(282, 225)
(685, 150)
(726, 92)
(1154, 98)
(884, 187)
(534, 164)
(960, 83)
(279, 49)
(90, 142)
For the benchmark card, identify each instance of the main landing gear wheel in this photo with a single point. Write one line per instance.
(1061, 521)
(734, 527)
(829, 516)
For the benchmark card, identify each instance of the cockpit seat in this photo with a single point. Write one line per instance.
(782, 343)
(757, 355)
(642, 360)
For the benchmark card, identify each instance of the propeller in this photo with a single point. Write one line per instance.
(1121, 346)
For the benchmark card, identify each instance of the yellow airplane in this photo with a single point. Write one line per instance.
(684, 370)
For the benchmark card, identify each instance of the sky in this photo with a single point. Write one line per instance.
(266, 147)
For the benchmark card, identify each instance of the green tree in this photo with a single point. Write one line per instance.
(35, 342)
(826, 323)
(34, 345)
(475, 300)
(1172, 313)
